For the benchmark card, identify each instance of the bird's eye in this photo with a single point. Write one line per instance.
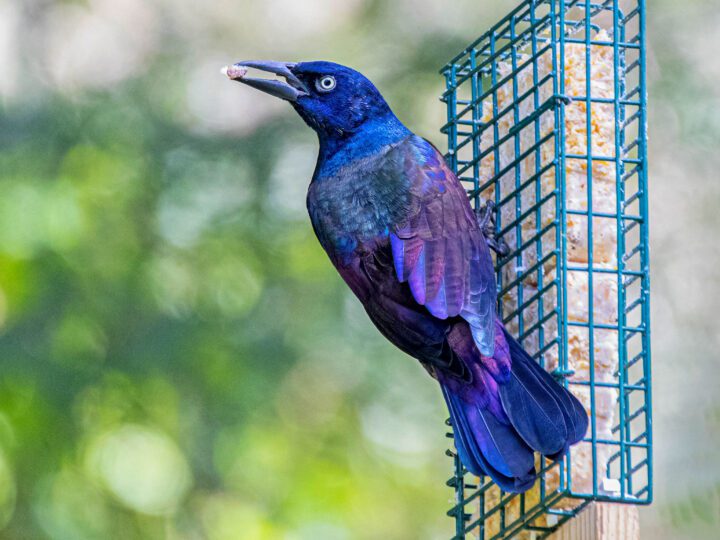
(325, 84)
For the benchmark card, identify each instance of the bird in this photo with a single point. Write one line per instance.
(398, 226)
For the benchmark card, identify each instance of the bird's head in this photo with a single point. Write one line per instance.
(332, 99)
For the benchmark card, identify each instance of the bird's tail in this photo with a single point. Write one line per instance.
(502, 419)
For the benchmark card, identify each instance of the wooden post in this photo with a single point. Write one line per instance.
(602, 521)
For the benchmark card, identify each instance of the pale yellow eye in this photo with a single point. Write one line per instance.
(325, 84)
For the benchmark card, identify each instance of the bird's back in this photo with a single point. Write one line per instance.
(354, 213)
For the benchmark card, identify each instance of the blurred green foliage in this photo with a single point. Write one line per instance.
(179, 359)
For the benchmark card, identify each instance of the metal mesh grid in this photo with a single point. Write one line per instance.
(547, 118)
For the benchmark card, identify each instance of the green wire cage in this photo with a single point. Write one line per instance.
(547, 120)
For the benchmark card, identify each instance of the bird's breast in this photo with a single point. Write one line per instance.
(350, 215)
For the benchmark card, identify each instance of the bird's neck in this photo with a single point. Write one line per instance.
(373, 136)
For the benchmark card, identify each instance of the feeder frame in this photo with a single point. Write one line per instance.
(474, 79)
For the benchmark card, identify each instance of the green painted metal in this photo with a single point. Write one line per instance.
(533, 29)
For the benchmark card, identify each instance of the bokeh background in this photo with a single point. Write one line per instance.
(179, 360)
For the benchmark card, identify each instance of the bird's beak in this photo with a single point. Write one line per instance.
(289, 91)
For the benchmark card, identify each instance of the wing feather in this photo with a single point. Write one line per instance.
(439, 249)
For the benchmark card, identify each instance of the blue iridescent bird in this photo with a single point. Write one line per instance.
(398, 227)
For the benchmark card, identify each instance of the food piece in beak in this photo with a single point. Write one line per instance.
(234, 73)
(289, 91)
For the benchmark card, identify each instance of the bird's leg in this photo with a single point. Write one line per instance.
(486, 220)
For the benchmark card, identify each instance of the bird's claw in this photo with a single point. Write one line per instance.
(486, 221)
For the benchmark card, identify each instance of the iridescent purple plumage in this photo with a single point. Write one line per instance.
(439, 248)
(398, 226)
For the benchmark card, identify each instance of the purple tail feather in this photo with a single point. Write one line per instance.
(497, 435)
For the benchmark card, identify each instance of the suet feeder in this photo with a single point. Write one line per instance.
(547, 120)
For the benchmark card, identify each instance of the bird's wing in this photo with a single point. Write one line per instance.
(438, 247)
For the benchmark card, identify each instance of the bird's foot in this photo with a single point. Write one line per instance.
(486, 220)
